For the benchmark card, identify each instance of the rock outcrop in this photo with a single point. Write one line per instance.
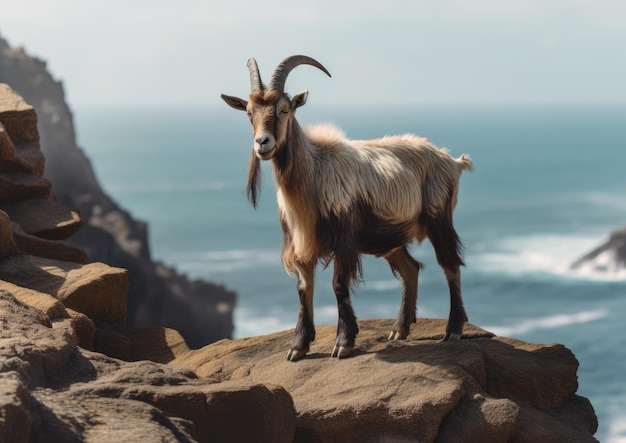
(480, 389)
(608, 258)
(70, 368)
(158, 295)
(52, 390)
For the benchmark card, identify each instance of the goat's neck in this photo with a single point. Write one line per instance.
(293, 166)
(294, 169)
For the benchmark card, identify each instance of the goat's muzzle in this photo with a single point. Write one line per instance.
(265, 146)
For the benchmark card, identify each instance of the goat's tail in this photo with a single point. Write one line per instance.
(465, 162)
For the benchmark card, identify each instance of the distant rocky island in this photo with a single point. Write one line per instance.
(609, 258)
(158, 295)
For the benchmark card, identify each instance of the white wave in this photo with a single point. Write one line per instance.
(383, 285)
(617, 430)
(249, 323)
(613, 201)
(547, 254)
(140, 188)
(224, 261)
(550, 322)
(604, 266)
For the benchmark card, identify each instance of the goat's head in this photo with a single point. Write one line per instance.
(270, 109)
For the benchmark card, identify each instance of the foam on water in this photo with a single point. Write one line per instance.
(149, 188)
(383, 285)
(617, 429)
(546, 255)
(554, 321)
(224, 261)
(605, 199)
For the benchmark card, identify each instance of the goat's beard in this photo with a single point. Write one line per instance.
(254, 178)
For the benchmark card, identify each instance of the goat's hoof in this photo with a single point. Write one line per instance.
(397, 335)
(296, 354)
(341, 351)
(451, 336)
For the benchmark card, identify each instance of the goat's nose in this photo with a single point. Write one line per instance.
(263, 140)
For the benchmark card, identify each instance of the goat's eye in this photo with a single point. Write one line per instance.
(285, 110)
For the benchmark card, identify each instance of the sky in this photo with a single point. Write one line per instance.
(396, 52)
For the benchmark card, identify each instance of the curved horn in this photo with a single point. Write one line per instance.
(277, 82)
(256, 85)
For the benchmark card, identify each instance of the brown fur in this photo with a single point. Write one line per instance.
(265, 98)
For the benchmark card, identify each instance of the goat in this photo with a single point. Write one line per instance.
(340, 198)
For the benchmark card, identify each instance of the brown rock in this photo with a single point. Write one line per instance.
(112, 343)
(55, 250)
(7, 241)
(95, 289)
(19, 186)
(30, 343)
(51, 390)
(269, 417)
(19, 139)
(419, 389)
(44, 218)
(490, 420)
(18, 117)
(46, 303)
(157, 344)
(84, 327)
(15, 403)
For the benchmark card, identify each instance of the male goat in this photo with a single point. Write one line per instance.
(340, 198)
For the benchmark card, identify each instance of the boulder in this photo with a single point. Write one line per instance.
(420, 389)
(33, 245)
(19, 186)
(95, 289)
(44, 218)
(53, 390)
(19, 138)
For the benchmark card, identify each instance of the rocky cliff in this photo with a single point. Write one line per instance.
(72, 370)
(158, 295)
(608, 258)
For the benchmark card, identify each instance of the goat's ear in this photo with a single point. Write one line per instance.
(235, 102)
(299, 99)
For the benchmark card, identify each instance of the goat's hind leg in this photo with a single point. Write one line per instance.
(448, 248)
(407, 269)
(305, 328)
(457, 317)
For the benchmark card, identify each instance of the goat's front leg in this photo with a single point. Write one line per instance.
(347, 328)
(407, 269)
(305, 329)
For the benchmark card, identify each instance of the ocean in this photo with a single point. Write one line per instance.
(549, 185)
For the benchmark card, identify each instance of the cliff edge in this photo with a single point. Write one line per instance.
(158, 295)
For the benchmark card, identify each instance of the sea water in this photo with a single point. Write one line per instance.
(549, 185)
